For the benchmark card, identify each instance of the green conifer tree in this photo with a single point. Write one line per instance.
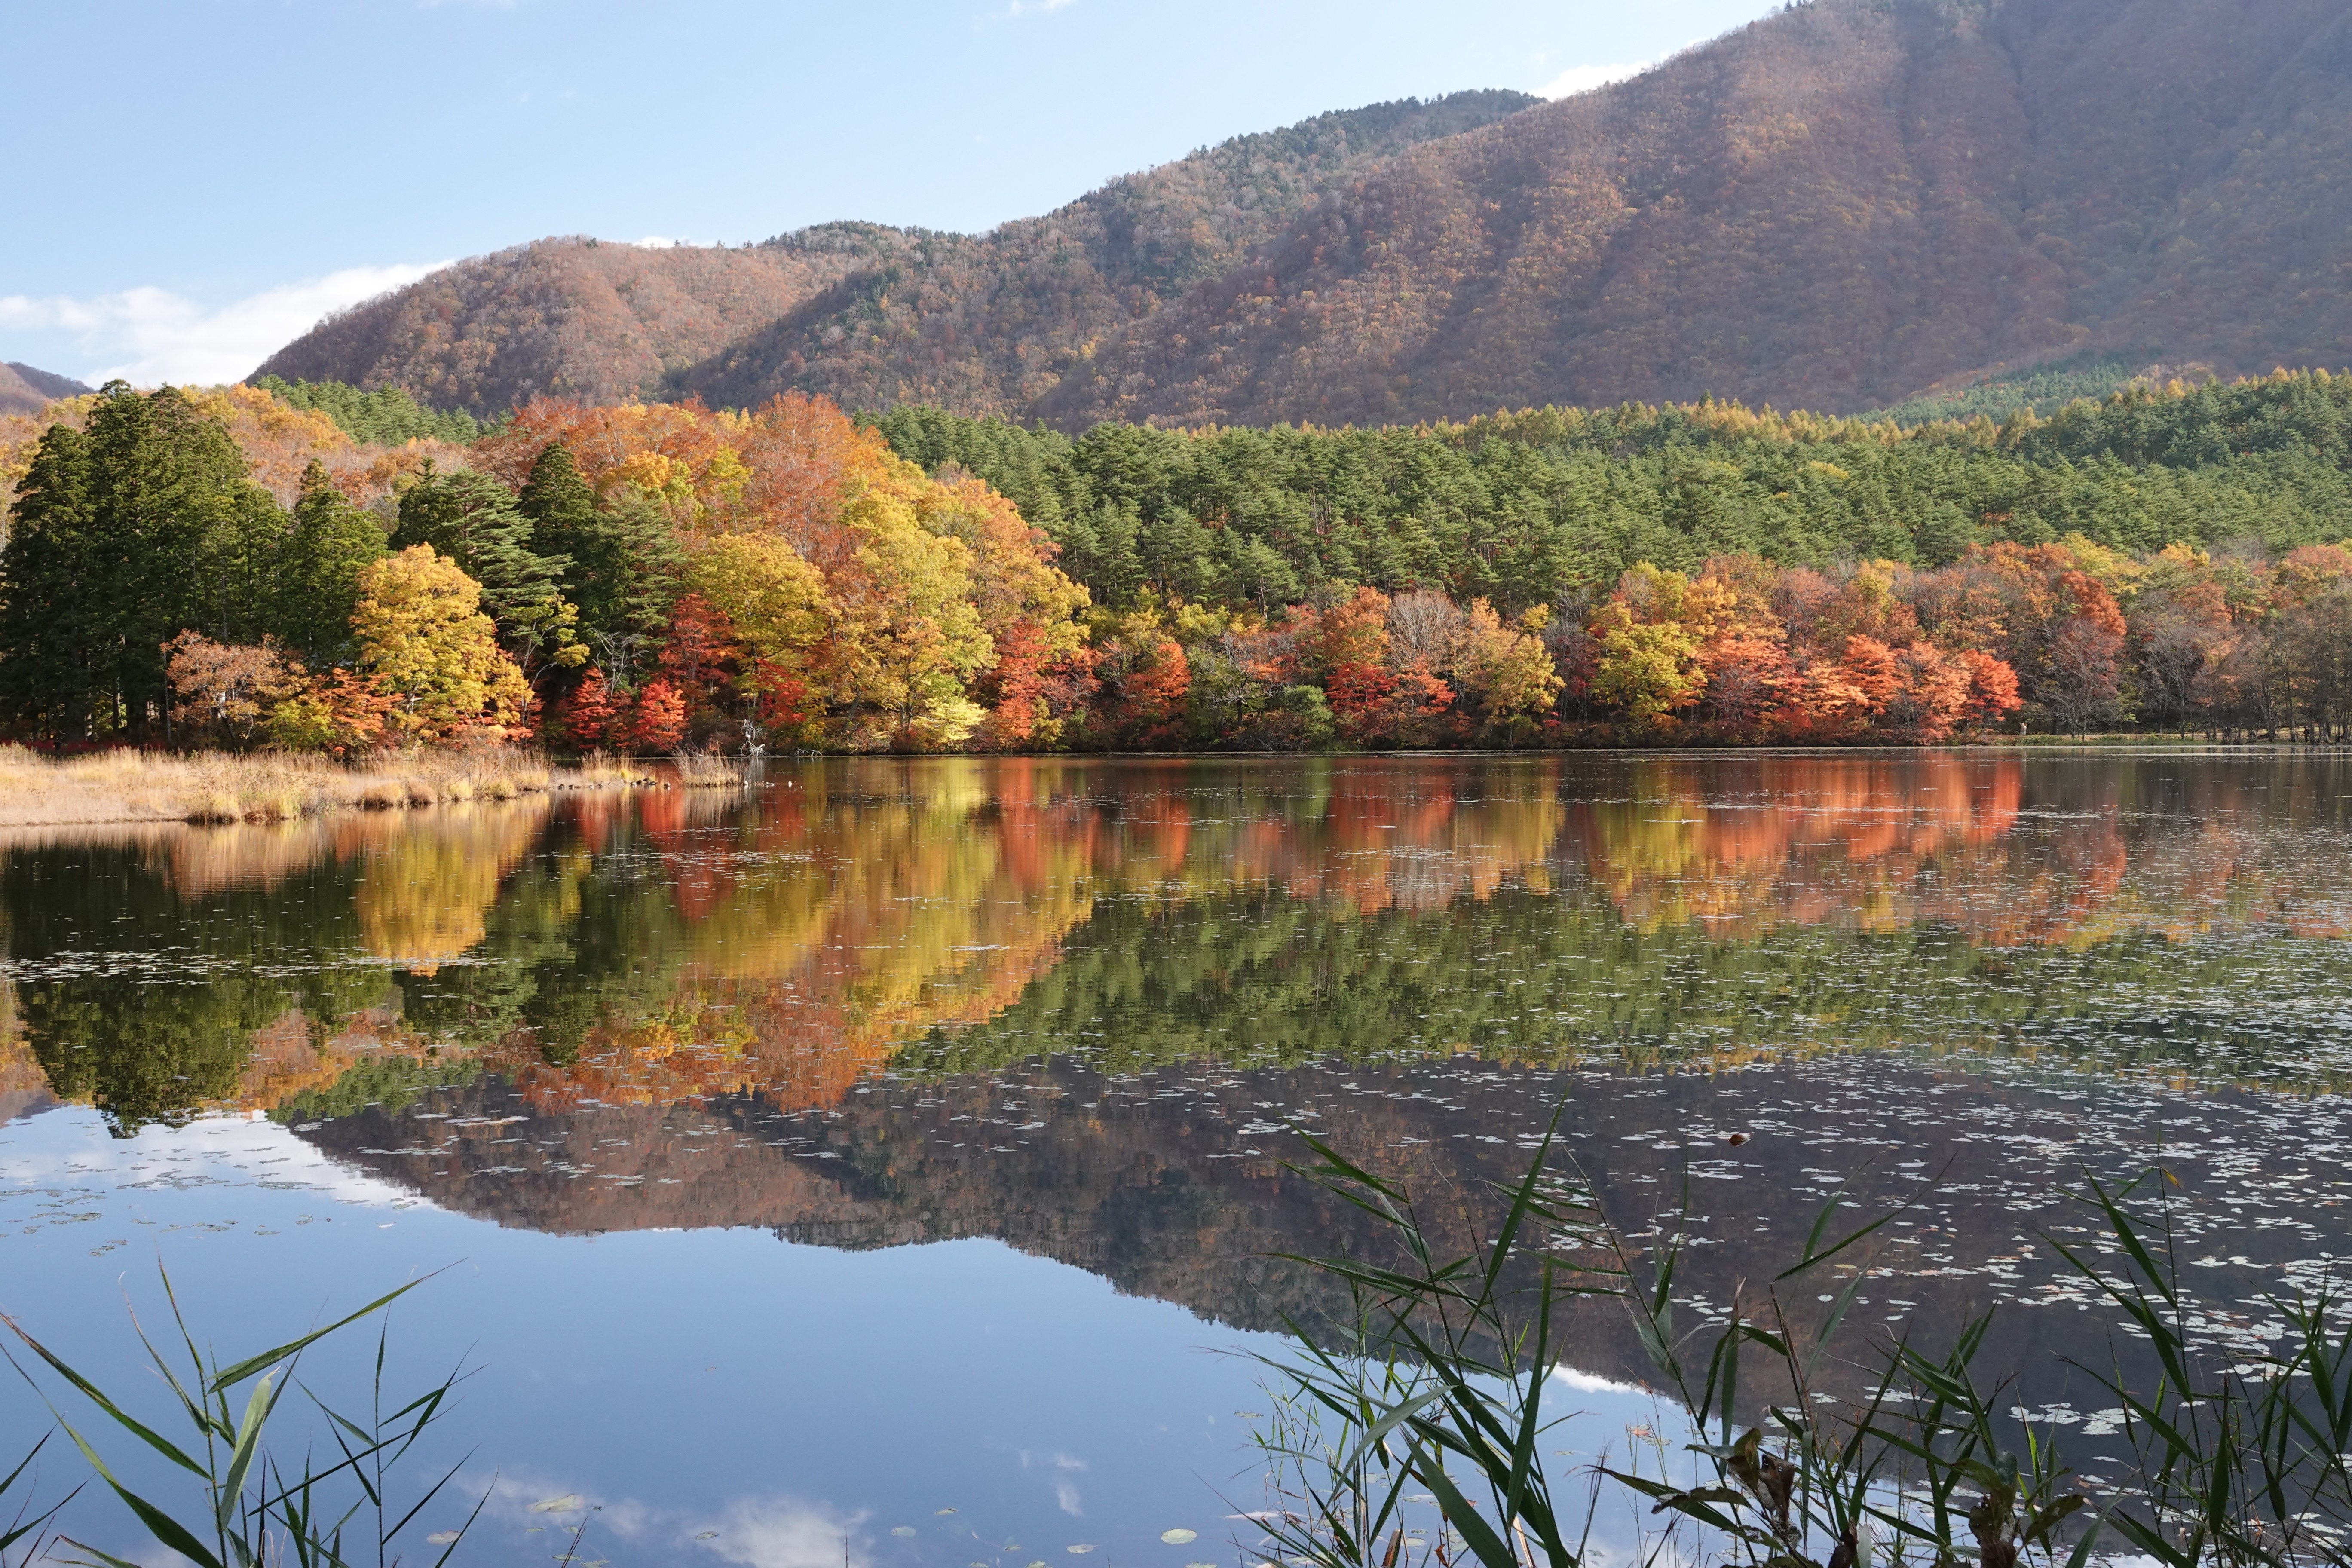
(315, 577)
(473, 518)
(623, 572)
(48, 609)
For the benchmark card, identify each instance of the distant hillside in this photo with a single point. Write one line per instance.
(869, 314)
(24, 390)
(1842, 206)
(570, 317)
(1832, 207)
(992, 323)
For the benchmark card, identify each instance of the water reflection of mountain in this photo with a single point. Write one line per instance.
(1171, 1184)
(955, 915)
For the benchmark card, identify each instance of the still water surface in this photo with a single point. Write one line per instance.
(886, 1165)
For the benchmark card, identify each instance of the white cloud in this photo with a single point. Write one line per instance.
(1036, 7)
(151, 336)
(1584, 78)
(1593, 1382)
(780, 1533)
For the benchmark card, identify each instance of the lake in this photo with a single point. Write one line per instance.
(888, 1166)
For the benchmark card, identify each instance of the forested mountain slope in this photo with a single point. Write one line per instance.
(991, 323)
(570, 317)
(1833, 207)
(870, 314)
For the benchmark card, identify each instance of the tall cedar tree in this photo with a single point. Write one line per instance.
(128, 535)
(473, 520)
(622, 564)
(48, 621)
(317, 567)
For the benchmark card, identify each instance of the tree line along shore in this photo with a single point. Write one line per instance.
(313, 569)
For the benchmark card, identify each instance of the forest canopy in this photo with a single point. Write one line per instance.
(304, 567)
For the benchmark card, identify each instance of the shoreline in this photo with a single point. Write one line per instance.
(119, 789)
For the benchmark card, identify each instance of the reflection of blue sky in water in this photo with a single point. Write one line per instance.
(781, 1398)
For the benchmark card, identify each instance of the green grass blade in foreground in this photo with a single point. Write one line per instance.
(256, 1511)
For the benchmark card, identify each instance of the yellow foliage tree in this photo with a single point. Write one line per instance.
(1506, 667)
(775, 600)
(424, 638)
(1648, 635)
(906, 633)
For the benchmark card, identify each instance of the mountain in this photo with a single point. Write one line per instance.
(571, 317)
(992, 323)
(1833, 207)
(24, 390)
(870, 315)
(1839, 206)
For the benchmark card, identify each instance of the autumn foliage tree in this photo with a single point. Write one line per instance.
(422, 638)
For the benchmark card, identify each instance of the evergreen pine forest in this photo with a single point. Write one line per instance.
(309, 565)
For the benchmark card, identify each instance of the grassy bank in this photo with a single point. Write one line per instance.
(36, 791)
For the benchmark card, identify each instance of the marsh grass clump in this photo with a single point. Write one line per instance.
(126, 785)
(2241, 1445)
(709, 770)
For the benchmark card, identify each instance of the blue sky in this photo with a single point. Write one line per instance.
(196, 181)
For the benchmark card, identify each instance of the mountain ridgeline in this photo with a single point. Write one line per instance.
(867, 313)
(1844, 206)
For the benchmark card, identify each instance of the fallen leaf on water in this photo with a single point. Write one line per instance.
(568, 1501)
(1179, 1537)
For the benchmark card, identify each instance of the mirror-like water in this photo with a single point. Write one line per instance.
(899, 1138)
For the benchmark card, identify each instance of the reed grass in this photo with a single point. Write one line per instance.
(2241, 1450)
(117, 786)
(709, 770)
(260, 1505)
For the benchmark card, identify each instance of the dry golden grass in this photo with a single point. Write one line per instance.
(269, 786)
(706, 770)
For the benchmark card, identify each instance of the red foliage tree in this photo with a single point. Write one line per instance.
(657, 718)
(1992, 689)
(1153, 703)
(584, 718)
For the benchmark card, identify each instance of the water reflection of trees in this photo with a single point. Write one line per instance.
(961, 912)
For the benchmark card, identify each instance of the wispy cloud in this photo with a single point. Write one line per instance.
(1584, 78)
(151, 336)
(1036, 7)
